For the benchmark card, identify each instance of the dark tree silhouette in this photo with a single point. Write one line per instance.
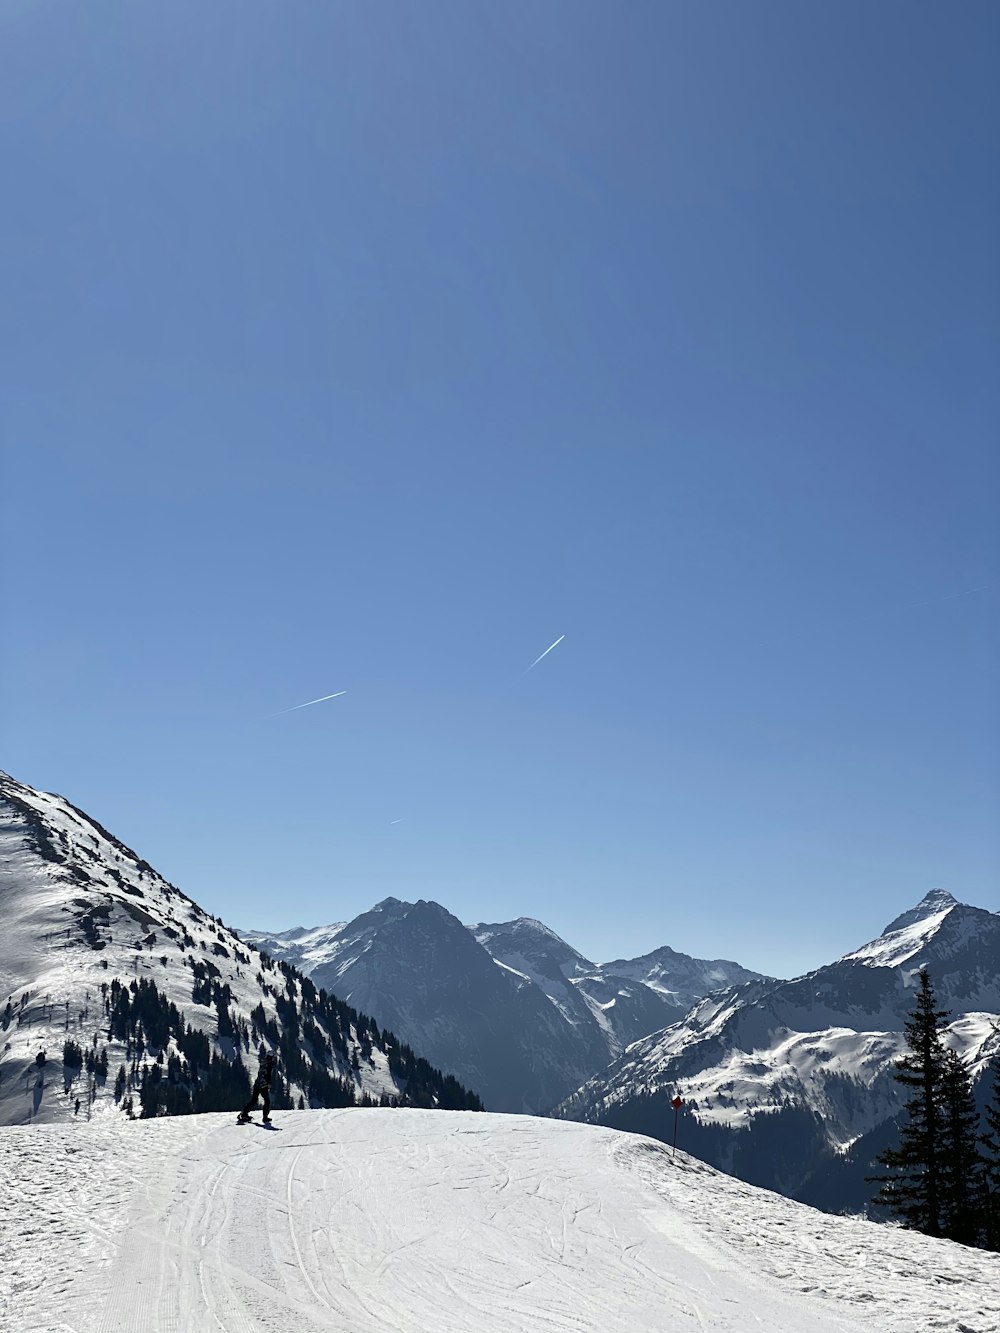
(914, 1189)
(961, 1162)
(990, 1143)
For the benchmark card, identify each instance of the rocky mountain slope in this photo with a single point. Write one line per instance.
(118, 992)
(423, 973)
(789, 1084)
(509, 1008)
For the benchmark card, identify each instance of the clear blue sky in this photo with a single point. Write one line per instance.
(372, 348)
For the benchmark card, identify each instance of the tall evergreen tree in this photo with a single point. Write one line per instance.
(961, 1161)
(913, 1192)
(991, 1164)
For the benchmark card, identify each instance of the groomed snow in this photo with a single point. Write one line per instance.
(411, 1221)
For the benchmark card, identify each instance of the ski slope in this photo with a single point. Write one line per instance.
(452, 1222)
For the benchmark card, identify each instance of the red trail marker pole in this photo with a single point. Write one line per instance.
(676, 1103)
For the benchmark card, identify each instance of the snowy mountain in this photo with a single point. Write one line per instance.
(680, 979)
(411, 1221)
(426, 977)
(118, 991)
(301, 946)
(789, 1084)
(609, 1007)
(509, 1008)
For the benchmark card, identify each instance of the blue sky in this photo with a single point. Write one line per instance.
(372, 349)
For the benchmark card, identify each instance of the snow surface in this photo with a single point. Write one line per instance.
(409, 1221)
(307, 947)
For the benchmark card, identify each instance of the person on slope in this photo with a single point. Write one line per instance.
(262, 1089)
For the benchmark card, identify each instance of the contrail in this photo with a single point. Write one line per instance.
(982, 587)
(321, 700)
(395, 821)
(947, 597)
(546, 653)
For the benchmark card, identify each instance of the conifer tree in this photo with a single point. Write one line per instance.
(961, 1161)
(913, 1192)
(990, 1142)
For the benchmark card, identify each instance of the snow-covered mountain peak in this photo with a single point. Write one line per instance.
(936, 900)
(532, 927)
(531, 947)
(680, 978)
(911, 932)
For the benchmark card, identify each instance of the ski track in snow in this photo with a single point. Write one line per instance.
(420, 1221)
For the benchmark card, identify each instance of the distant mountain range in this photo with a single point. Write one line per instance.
(509, 1008)
(117, 990)
(789, 1083)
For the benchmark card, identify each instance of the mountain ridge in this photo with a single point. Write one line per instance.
(530, 1019)
(103, 959)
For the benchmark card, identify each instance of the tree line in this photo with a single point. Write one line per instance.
(320, 1042)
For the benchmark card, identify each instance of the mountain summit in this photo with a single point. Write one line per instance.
(933, 902)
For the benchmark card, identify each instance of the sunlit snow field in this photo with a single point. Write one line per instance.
(410, 1220)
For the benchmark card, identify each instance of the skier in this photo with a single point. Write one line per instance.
(262, 1089)
(76, 1108)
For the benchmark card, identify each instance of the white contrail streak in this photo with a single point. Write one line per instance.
(951, 596)
(321, 700)
(546, 653)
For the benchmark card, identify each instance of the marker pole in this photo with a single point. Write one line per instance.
(676, 1103)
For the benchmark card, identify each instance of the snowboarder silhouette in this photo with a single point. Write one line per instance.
(262, 1089)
